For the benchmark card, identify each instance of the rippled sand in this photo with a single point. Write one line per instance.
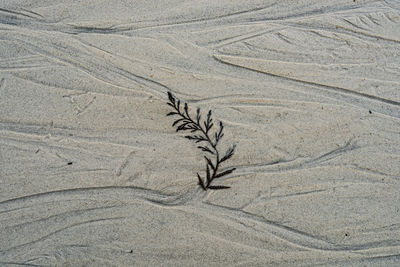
(93, 174)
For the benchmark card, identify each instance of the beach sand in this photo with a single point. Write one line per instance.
(93, 174)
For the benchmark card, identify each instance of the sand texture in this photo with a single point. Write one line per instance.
(92, 173)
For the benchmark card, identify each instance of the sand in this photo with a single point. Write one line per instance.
(93, 174)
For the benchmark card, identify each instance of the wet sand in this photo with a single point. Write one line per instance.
(93, 174)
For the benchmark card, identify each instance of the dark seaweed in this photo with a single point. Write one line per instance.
(200, 133)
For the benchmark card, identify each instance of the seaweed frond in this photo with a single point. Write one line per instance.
(200, 133)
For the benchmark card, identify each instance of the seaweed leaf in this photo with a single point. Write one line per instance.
(208, 123)
(208, 175)
(171, 97)
(224, 173)
(229, 153)
(178, 121)
(197, 138)
(209, 162)
(201, 183)
(219, 135)
(182, 127)
(198, 116)
(186, 108)
(218, 187)
(205, 149)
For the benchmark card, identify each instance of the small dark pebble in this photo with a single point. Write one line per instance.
(69, 163)
(370, 112)
(131, 251)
